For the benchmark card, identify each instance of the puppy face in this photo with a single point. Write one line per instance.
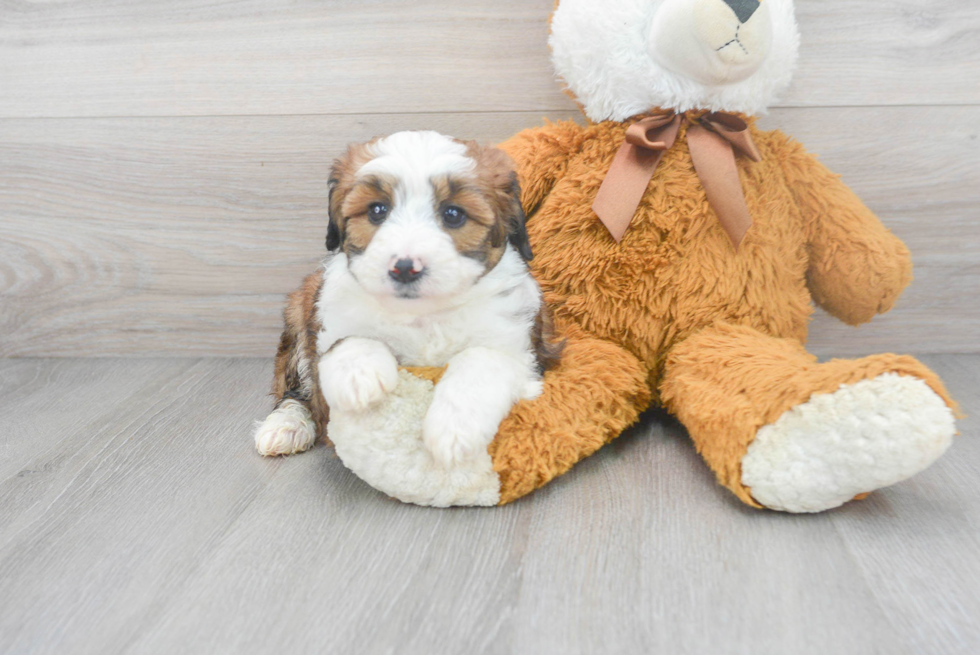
(420, 215)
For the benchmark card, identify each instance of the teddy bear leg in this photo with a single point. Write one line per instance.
(597, 391)
(782, 431)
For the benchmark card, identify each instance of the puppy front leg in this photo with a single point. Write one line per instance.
(356, 373)
(474, 395)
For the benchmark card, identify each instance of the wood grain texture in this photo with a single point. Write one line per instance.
(928, 196)
(180, 236)
(164, 236)
(143, 522)
(200, 58)
(886, 53)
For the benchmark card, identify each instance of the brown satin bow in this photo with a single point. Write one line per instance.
(711, 139)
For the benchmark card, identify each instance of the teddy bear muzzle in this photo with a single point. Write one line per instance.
(712, 41)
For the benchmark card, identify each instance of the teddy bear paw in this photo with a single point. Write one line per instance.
(864, 436)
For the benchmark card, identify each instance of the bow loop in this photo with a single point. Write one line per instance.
(655, 132)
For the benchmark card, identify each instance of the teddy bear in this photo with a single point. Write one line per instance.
(681, 250)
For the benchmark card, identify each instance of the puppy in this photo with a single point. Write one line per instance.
(427, 267)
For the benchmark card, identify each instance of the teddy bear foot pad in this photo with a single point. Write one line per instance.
(862, 437)
(384, 448)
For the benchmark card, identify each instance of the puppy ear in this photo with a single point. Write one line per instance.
(496, 171)
(342, 175)
(516, 229)
(335, 234)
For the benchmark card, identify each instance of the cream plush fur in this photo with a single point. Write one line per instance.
(864, 436)
(384, 447)
(635, 55)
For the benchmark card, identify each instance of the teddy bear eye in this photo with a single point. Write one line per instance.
(453, 216)
(377, 212)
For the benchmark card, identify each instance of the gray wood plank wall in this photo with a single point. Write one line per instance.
(163, 166)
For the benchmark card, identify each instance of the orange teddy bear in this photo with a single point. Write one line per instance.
(698, 314)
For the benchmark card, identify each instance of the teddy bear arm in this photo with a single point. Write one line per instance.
(857, 267)
(540, 157)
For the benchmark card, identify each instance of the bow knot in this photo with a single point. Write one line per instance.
(712, 140)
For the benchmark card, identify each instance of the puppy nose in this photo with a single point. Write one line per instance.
(406, 270)
(743, 8)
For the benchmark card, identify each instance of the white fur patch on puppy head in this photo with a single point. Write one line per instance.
(422, 215)
(621, 58)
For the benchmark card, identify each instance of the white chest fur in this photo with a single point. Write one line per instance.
(498, 313)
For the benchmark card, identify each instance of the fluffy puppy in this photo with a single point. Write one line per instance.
(427, 267)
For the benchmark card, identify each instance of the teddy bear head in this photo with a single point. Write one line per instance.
(620, 58)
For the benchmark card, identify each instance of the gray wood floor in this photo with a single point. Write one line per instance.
(135, 517)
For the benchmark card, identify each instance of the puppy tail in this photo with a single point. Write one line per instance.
(548, 348)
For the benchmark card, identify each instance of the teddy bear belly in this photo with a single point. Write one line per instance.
(674, 273)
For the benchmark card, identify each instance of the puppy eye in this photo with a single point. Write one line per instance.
(453, 216)
(377, 212)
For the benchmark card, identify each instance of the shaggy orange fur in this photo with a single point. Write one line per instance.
(596, 392)
(673, 314)
(728, 381)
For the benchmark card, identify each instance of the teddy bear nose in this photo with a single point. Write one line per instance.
(743, 8)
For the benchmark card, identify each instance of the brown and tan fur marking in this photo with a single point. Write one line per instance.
(358, 230)
(547, 347)
(295, 375)
(497, 183)
(484, 235)
(491, 199)
(343, 179)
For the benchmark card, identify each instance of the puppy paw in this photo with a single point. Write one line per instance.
(357, 374)
(456, 430)
(289, 429)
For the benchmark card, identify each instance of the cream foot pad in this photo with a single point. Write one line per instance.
(862, 437)
(383, 446)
